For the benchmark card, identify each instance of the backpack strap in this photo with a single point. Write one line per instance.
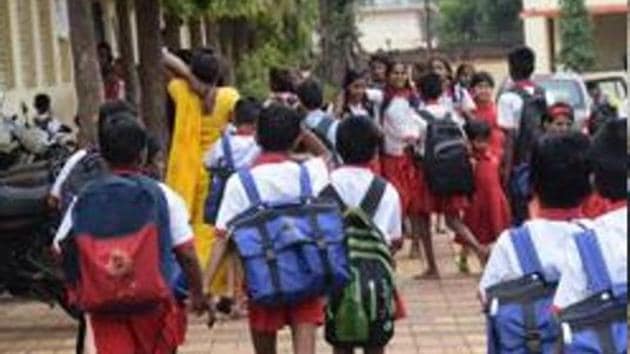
(249, 185)
(227, 151)
(374, 196)
(427, 116)
(323, 127)
(593, 262)
(306, 188)
(526, 252)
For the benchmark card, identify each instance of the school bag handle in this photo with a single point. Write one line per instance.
(526, 252)
(306, 189)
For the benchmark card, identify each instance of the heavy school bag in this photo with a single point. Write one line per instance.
(529, 131)
(362, 314)
(116, 258)
(599, 324)
(446, 159)
(218, 180)
(520, 320)
(292, 250)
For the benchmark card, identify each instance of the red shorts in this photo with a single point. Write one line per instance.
(159, 332)
(272, 319)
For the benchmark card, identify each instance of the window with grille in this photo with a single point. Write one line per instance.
(7, 80)
(27, 43)
(46, 38)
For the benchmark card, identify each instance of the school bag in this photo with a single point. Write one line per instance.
(291, 250)
(529, 131)
(520, 320)
(446, 159)
(598, 324)
(322, 130)
(117, 258)
(218, 180)
(362, 314)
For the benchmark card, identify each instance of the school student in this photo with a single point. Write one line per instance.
(358, 143)
(561, 182)
(489, 211)
(451, 206)
(608, 157)
(147, 327)
(402, 128)
(325, 126)
(277, 177)
(559, 118)
(282, 87)
(520, 111)
(45, 119)
(236, 149)
(378, 71)
(454, 96)
(482, 88)
(357, 99)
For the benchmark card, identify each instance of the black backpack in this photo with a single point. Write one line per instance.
(363, 314)
(530, 128)
(446, 161)
(91, 167)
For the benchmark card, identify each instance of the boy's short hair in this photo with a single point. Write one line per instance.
(358, 139)
(477, 129)
(482, 77)
(42, 103)
(247, 111)
(111, 108)
(206, 66)
(380, 57)
(278, 128)
(431, 86)
(610, 160)
(521, 62)
(281, 80)
(153, 147)
(122, 140)
(311, 94)
(560, 170)
(559, 108)
(353, 75)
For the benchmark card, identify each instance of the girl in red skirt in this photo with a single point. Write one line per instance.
(483, 87)
(489, 212)
(402, 128)
(451, 206)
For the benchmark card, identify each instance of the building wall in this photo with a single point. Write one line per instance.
(537, 36)
(389, 29)
(611, 35)
(554, 4)
(36, 55)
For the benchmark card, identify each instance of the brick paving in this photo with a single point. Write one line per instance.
(445, 318)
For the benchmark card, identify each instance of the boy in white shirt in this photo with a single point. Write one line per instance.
(561, 181)
(608, 156)
(277, 177)
(324, 125)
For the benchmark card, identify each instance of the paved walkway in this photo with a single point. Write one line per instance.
(444, 318)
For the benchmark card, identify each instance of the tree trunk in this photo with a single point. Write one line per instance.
(196, 38)
(125, 40)
(338, 37)
(151, 69)
(226, 35)
(212, 34)
(87, 73)
(172, 33)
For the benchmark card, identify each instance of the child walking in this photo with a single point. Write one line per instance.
(358, 143)
(489, 211)
(482, 86)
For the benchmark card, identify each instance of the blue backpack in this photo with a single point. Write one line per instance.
(520, 320)
(218, 179)
(291, 250)
(598, 324)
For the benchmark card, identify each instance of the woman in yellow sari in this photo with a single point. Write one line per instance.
(202, 112)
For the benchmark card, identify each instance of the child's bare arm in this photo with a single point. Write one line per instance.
(313, 145)
(172, 62)
(219, 250)
(187, 259)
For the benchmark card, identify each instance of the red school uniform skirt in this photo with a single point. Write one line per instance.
(489, 212)
(403, 173)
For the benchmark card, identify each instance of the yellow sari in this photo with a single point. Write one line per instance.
(195, 132)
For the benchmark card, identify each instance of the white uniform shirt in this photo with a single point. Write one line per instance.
(612, 232)
(245, 151)
(275, 182)
(401, 122)
(510, 108)
(314, 118)
(65, 172)
(550, 238)
(352, 184)
(181, 231)
(460, 99)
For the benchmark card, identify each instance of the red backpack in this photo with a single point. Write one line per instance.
(116, 259)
